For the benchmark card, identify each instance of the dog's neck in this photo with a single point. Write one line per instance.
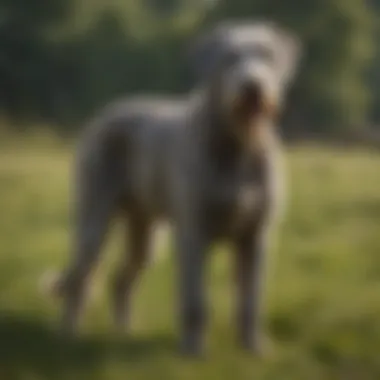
(226, 149)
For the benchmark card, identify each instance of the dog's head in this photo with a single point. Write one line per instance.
(247, 67)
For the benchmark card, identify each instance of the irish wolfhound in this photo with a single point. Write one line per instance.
(206, 163)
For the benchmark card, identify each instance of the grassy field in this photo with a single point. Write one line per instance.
(324, 290)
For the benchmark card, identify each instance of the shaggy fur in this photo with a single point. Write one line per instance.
(206, 163)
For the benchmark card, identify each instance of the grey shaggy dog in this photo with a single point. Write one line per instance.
(207, 163)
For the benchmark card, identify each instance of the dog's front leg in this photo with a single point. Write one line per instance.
(250, 276)
(191, 247)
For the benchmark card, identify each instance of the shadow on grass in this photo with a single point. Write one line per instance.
(29, 346)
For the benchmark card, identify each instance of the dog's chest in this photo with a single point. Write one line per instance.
(233, 199)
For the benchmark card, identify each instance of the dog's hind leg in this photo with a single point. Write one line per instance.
(96, 201)
(137, 255)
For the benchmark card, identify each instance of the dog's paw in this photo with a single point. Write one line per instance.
(192, 348)
(261, 347)
(192, 353)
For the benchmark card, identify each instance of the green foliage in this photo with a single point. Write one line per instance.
(374, 75)
(62, 59)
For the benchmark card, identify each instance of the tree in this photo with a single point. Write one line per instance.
(28, 66)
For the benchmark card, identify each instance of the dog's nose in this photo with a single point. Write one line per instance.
(251, 90)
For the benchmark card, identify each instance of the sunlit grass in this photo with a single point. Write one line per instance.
(323, 292)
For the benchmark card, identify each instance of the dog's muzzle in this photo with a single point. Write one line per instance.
(252, 103)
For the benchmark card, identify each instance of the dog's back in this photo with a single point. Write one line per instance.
(137, 137)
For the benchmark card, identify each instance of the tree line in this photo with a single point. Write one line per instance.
(61, 59)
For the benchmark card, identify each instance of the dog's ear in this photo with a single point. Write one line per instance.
(290, 52)
(204, 54)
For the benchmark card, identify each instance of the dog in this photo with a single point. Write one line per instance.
(207, 163)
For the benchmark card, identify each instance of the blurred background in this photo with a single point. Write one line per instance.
(60, 60)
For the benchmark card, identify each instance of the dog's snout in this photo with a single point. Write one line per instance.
(251, 90)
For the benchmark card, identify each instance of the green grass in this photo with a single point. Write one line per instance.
(323, 292)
